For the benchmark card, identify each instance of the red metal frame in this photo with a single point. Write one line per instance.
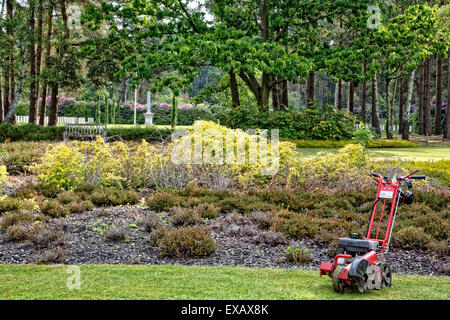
(387, 187)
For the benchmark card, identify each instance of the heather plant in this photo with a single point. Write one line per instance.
(186, 242)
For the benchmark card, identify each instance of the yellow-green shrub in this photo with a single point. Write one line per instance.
(3, 175)
(71, 165)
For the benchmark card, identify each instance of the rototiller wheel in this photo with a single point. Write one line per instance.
(360, 264)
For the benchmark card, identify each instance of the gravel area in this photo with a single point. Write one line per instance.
(238, 242)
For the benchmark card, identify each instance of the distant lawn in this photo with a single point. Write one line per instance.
(128, 126)
(189, 282)
(418, 154)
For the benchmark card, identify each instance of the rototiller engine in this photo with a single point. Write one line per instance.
(360, 263)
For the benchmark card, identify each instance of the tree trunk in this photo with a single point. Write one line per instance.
(10, 116)
(400, 106)
(284, 95)
(389, 88)
(375, 120)
(33, 111)
(363, 97)
(47, 63)
(427, 115)
(9, 69)
(39, 51)
(53, 117)
(1, 66)
(53, 114)
(438, 110)
(351, 97)
(320, 91)
(265, 91)
(234, 90)
(339, 105)
(310, 89)
(123, 91)
(447, 111)
(421, 99)
(276, 97)
(405, 125)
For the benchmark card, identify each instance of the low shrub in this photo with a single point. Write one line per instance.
(113, 197)
(156, 235)
(19, 156)
(81, 206)
(52, 256)
(162, 201)
(207, 211)
(264, 220)
(411, 238)
(20, 231)
(298, 254)
(44, 236)
(24, 217)
(67, 197)
(152, 221)
(54, 208)
(11, 204)
(186, 242)
(184, 217)
(3, 175)
(296, 226)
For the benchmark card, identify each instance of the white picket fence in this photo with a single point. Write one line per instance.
(61, 120)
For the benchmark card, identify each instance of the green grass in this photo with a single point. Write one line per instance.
(418, 154)
(183, 282)
(128, 126)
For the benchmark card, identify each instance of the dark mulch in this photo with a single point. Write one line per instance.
(237, 239)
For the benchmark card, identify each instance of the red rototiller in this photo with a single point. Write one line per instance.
(360, 263)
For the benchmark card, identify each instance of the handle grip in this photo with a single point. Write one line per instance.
(418, 177)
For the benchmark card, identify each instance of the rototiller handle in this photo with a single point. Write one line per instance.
(418, 177)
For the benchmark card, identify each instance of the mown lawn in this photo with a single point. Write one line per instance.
(418, 154)
(188, 282)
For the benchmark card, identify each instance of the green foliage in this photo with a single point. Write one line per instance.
(184, 217)
(113, 197)
(29, 132)
(363, 135)
(137, 134)
(186, 242)
(307, 124)
(298, 254)
(207, 211)
(411, 237)
(18, 156)
(162, 201)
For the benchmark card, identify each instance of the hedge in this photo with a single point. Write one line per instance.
(33, 132)
(312, 123)
(30, 132)
(376, 143)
